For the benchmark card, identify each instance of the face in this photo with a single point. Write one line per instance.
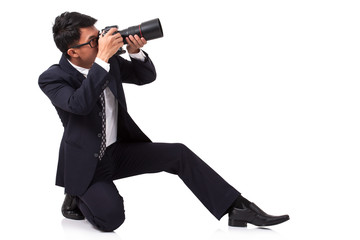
(84, 56)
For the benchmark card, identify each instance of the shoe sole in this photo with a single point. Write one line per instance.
(240, 223)
(237, 223)
(72, 217)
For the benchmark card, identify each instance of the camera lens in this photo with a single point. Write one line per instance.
(149, 30)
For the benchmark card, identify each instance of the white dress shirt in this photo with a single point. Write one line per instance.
(111, 104)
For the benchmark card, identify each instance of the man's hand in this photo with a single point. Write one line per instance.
(109, 44)
(135, 43)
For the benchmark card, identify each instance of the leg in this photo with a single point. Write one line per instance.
(214, 192)
(103, 206)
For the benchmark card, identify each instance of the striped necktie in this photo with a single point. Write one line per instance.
(103, 126)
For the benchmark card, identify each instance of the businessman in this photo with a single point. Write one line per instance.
(101, 142)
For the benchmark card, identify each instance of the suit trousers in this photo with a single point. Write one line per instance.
(102, 205)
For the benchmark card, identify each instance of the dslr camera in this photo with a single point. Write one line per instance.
(149, 30)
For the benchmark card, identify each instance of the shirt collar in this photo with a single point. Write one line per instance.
(83, 71)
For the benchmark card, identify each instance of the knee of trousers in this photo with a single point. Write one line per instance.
(111, 221)
(111, 216)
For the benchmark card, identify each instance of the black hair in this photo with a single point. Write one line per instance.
(66, 29)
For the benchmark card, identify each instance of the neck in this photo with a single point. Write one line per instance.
(78, 63)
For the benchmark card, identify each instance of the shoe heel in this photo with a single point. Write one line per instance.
(237, 223)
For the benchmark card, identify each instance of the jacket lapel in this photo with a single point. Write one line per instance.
(112, 86)
(117, 91)
(66, 66)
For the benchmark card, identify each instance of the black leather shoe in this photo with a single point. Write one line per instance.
(239, 217)
(70, 208)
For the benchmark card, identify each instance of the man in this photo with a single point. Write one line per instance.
(101, 143)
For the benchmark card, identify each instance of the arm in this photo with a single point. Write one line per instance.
(142, 70)
(59, 87)
(136, 71)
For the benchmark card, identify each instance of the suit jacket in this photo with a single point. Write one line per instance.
(77, 102)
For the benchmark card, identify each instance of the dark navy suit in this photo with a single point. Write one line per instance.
(77, 102)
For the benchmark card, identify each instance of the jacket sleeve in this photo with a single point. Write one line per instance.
(80, 100)
(135, 71)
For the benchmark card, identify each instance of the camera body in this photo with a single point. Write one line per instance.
(106, 29)
(149, 30)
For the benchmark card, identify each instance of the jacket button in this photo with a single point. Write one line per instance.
(99, 135)
(96, 155)
(100, 114)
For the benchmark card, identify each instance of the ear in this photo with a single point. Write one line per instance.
(72, 53)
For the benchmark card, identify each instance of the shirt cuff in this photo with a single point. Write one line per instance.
(103, 64)
(139, 56)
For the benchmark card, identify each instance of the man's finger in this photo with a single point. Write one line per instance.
(111, 31)
(143, 40)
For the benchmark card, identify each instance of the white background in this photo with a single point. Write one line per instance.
(266, 92)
